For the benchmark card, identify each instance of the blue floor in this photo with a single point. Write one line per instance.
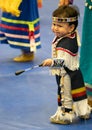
(28, 100)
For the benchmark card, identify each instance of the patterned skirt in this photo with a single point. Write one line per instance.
(20, 32)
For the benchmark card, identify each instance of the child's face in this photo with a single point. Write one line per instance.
(61, 29)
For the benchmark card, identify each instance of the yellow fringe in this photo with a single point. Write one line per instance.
(11, 6)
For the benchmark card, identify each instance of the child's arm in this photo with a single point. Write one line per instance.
(53, 62)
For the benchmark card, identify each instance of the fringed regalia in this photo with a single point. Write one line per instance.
(66, 48)
(20, 24)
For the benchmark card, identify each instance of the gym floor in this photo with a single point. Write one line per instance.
(28, 100)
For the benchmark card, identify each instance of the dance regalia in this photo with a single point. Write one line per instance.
(67, 49)
(86, 47)
(20, 29)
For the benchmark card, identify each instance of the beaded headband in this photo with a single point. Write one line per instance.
(57, 19)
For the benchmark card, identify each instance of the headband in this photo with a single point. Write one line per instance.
(71, 19)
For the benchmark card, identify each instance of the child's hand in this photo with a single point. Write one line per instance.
(47, 62)
(64, 2)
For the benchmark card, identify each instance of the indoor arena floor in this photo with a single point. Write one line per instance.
(28, 100)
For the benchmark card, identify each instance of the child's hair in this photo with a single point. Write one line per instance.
(67, 11)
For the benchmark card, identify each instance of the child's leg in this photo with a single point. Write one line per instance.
(67, 92)
(79, 96)
(58, 111)
(68, 115)
(58, 90)
(65, 101)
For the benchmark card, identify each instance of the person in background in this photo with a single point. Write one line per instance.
(71, 93)
(86, 49)
(20, 27)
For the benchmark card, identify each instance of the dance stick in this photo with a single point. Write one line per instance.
(57, 63)
(22, 71)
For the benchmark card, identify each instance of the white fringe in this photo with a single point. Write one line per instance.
(81, 107)
(72, 62)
